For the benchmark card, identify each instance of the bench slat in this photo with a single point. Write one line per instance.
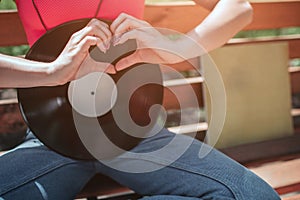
(266, 150)
(280, 174)
(13, 33)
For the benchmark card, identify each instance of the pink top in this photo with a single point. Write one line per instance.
(55, 12)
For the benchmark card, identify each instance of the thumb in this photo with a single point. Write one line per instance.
(95, 66)
(128, 61)
(89, 65)
(106, 67)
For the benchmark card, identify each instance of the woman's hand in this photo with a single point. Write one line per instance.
(75, 61)
(152, 45)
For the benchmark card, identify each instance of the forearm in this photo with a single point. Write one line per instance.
(227, 18)
(18, 72)
(159, 46)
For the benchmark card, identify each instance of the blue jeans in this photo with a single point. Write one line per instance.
(39, 173)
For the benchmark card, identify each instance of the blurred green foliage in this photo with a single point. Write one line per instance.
(15, 50)
(272, 32)
(7, 4)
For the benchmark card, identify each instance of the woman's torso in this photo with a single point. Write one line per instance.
(56, 12)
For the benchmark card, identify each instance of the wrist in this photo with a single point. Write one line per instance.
(48, 71)
(54, 74)
(188, 47)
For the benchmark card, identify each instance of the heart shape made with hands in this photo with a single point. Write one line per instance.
(58, 115)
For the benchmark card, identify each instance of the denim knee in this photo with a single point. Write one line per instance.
(255, 188)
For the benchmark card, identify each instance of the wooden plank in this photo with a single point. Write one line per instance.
(294, 48)
(172, 82)
(8, 101)
(260, 151)
(275, 15)
(180, 18)
(12, 32)
(295, 80)
(266, 16)
(177, 82)
(170, 101)
(279, 174)
(293, 197)
(190, 128)
(289, 189)
(295, 112)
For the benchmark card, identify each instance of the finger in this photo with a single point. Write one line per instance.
(105, 28)
(99, 43)
(133, 34)
(97, 28)
(110, 69)
(89, 65)
(95, 66)
(79, 35)
(119, 20)
(98, 66)
(104, 38)
(89, 41)
(97, 21)
(104, 33)
(128, 61)
(100, 24)
(107, 41)
(127, 25)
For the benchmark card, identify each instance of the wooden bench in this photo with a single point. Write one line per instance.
(264, 157)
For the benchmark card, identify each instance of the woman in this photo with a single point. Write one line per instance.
(34, 172)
